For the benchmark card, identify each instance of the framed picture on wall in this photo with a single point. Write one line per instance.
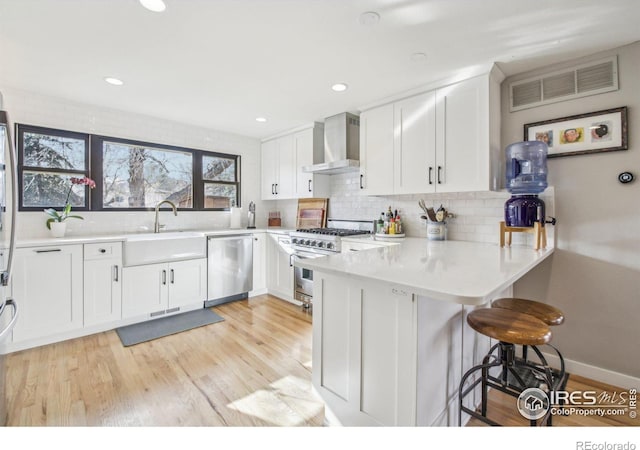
(595, 132)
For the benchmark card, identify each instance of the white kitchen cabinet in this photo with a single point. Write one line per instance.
(156, 289)
(444, 140)
(259, 264)
(364, 351)
(415, 144)
(48, 283)
(468, 156)
(102, 283)
(278, 168)
(283, 159)
(384, 356)
(376, 151)
(309, 149)
(279, 268)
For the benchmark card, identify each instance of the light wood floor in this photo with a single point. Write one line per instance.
(253, 369)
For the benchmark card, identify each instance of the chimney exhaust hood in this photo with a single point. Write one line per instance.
(341, 145)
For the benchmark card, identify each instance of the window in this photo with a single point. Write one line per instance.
(129, 175)
(137, 175)
(219, 175)
(47, 160)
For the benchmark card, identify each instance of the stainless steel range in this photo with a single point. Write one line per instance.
(319, 242)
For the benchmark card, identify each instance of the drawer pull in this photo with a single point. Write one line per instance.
(115, 273)
(102, 250)
(49, 250)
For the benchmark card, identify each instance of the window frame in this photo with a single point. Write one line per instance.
(94, 169)
(20, 130)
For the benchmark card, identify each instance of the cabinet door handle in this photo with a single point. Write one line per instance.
(49, 250)
(430, 175)
(439, 172)
(272, 189)
(172, 277)
(361, 179)
(276, 188)
(115, 273)
(164, 277)
(309, 185)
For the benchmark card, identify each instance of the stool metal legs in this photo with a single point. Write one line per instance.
(508, 362)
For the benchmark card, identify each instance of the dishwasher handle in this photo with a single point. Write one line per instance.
(231, 237)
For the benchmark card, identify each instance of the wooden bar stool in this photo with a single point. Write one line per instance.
(550, 315)
(510, 328)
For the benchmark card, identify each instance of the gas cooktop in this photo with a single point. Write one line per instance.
(333, 232)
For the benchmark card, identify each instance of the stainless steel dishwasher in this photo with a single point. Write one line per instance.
(230, 268)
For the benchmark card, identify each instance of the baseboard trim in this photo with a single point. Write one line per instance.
(594, 373)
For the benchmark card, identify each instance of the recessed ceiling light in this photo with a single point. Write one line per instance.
(154, 5)
(339, 87)
(369, 18)
(260, 119)
(114, 81)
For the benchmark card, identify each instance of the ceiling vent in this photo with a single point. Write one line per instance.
(580, 81)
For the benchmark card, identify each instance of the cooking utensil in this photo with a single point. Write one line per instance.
(431, 214)
(441, 214)
(422, 205)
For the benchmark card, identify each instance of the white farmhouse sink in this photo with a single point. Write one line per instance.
(149, 248)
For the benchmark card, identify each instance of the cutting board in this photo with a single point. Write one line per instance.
(312, 213)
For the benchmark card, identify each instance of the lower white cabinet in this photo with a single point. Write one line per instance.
(161, 288)
(102, 283)
(259, 264)
(279, 268)
(384, 356)
(47, 281)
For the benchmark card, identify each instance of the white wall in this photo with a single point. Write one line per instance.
(594, 276)
(35, 109)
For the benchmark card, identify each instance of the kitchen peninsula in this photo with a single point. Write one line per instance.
(390, 340)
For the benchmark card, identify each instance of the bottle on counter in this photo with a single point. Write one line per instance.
(398, 224)
(380, 224)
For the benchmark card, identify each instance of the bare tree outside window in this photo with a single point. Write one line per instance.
(42, 186)
(140, 176)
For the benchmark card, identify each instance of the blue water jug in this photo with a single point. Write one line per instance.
(526, 167)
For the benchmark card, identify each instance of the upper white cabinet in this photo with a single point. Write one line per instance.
(47, 281)
(376, 151)
(309, 145)
(282, 161)
(444, 140)
(415, 144)
(468, 136)
(278, 163)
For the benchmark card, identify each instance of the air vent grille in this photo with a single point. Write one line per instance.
(559, 85)
(580, 81)
(526, 93)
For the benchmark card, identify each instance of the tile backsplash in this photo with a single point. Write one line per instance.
(477, 214)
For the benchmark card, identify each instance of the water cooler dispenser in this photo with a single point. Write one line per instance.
(526, 177)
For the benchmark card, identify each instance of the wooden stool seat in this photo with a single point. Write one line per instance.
(547, 313)
(509, 326)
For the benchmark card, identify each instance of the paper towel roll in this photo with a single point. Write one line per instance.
(236, 216)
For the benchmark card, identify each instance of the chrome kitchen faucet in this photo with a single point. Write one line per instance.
(156, 225)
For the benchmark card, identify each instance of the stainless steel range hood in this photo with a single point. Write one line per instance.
(341, 145)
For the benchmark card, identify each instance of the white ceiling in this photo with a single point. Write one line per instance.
(222, 63)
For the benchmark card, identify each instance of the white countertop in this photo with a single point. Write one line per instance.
(94, 239)
(457, 271)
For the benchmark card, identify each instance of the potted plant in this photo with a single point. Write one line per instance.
(56, 221)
